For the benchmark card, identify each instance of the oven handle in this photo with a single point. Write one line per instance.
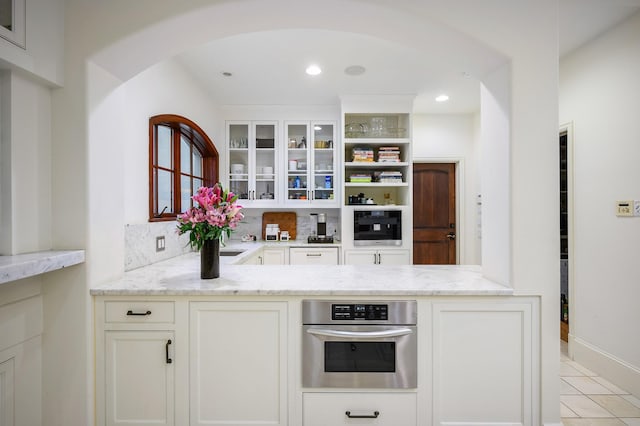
(360, 334)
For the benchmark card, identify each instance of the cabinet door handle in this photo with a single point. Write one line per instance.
(166, 349)
(375, 258)
(138, 314)
(365, 416)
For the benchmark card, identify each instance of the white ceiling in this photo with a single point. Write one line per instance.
(268, 67)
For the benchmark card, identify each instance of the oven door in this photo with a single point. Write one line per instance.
(353, 356)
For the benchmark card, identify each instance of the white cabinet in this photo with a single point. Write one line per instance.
(136, 363)
(20, 354)
(313, 255)
(342, 408)
(139, 378)
(268, 256)
(484, 359)
(253, 166)
(238, 363)
(377, 257)
(377, 157)
(274, 256)
(310, 161)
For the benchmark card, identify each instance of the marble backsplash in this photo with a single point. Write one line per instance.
(140, 243)
(140, 239)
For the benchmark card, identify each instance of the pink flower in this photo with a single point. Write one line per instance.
(214, 214)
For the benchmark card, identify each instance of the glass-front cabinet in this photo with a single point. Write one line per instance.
(310, 161)
(252, 162)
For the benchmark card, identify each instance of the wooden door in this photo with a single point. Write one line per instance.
(434, 214)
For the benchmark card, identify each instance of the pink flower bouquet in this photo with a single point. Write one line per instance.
(216, 214)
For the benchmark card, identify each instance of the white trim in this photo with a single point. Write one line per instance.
(623, 374)
(17, 35)
(461, 239)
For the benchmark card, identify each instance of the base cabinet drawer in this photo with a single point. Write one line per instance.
(313, 256)
(343, 408)
(139, 311)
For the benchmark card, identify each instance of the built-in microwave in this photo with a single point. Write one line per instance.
(377, 227)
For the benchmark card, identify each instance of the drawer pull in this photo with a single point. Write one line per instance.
(166, 348)
(314, 254)
(139, 314)
(365, 416)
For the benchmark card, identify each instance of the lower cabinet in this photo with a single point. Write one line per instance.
(196, 361)
(268, 256)
(238, 363)
(341, 408)
(20, 355)
(313, 255)
(274, 256)
(139, 378)
(484, 359)
(377, 257)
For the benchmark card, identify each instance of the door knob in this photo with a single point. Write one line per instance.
(451, 236)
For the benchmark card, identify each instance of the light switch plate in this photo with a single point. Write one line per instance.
(624, 208)
(636, 208)
(160, 243)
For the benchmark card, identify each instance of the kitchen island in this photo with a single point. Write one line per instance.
(181, 276)
(173, 349)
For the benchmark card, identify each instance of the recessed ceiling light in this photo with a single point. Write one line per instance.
(442, 98)
(227, 74)
(313, 70)
(355, 70)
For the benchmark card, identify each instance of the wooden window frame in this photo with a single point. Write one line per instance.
(198, 139)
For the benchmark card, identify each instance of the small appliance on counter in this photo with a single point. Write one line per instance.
(319, 229)
(271, 232)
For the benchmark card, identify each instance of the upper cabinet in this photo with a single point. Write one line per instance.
(12, 21)
(253, 162)
(283, 163)
(377, 158)
(310, 160)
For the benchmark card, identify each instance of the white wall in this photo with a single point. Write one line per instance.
(526, 32)
(599, 90)
(451, 138)
(162, 89)
(495, 173)
(26, 165)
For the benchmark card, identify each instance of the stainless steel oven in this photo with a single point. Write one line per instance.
(359, 344)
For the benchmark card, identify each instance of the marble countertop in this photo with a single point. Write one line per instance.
(17, 267)
(180, 276)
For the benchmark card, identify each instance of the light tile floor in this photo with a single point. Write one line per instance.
(587, 399)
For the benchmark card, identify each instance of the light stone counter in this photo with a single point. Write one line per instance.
(13, 268)
(181, 276)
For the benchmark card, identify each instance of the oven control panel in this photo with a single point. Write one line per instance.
(355, 311)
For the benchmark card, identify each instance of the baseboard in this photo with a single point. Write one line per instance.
(617, 371)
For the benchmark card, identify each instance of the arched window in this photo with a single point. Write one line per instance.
(182, 158)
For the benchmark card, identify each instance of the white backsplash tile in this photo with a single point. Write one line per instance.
(140, 239)
(140, 243)
(252, 223)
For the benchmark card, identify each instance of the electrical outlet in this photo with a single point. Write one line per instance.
(624, 208)
(160, 243)
(636, 208)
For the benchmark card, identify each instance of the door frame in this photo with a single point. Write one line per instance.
(459, 178)
(568, 129)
